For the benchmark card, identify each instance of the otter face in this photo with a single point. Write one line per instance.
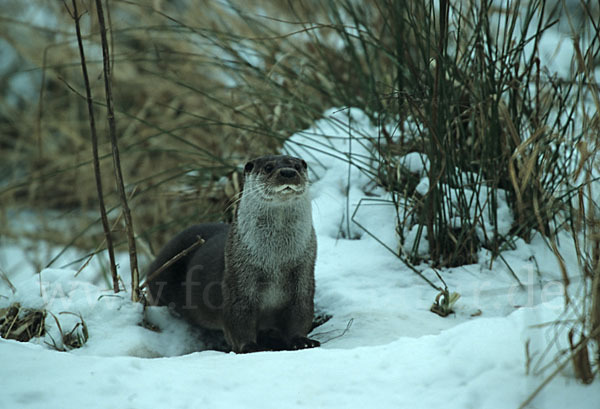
(276, 177)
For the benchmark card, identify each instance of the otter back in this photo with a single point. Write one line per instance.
(191, 287)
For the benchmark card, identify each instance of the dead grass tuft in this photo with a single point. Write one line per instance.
(75, 338)
(21, 324)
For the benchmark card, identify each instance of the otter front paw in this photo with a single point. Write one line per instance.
(272, 340)
(303, 343)
(250, 347)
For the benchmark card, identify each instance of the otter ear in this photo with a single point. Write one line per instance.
(304, 165)
(249, 166)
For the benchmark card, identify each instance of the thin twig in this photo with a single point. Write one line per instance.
(94, 136)
(173, 260)
(135, 275)
(98, 248)
(4, 277)
(403, 259)
(344, 331)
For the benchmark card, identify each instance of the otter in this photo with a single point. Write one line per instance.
(254, 279)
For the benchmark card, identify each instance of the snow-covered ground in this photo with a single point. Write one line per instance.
(381, 348)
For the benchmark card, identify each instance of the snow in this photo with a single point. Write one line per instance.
(415, 162)
(381, 348)
(475, 365)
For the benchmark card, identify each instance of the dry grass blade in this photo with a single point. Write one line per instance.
(5, 278)
(595, 309)
(563, 268)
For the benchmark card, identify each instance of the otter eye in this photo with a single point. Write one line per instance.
(249, 166)
(269, 168)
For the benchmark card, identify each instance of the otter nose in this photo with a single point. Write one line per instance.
(287, 173)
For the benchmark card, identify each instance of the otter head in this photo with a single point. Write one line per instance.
(278, 177)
